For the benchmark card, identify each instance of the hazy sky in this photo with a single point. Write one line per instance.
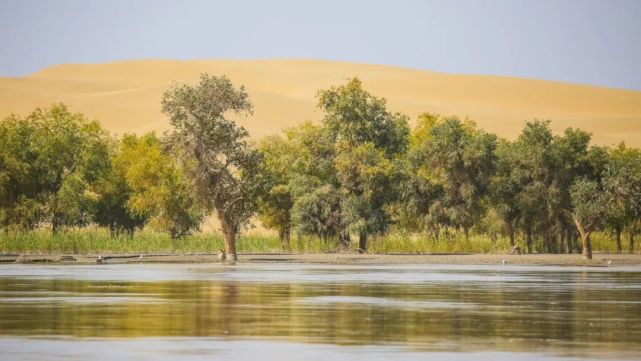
(582, 41)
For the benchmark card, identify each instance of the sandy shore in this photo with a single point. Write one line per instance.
(344, 258)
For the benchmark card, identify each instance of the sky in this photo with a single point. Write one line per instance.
(579, 41)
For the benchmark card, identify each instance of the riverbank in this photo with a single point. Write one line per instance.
(599, 259)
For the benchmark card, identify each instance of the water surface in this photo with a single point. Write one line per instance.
(295, 311)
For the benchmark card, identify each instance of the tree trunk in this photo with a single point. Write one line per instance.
(631, 249)
(511, 234)
(528, 240)
(362, 242)
(284, 235)
(617, 233)
(229, 234)
(569, 239)
(585, 239)
(587, 246)
(562, 241)
(174, 236)
(548, 243)
(344, 240)
(54, 225)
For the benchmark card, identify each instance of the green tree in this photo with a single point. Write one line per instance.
(418, 187)
(354, 116)
(276, 203)
(572, 158)
(590, 206)
(19, 208)
(160, 190)
(226, 167)
(369, 183)
(460, 159)
(505, 189)
(314, 184)
(303, 191)
(318, 210)
(52, 160)
(368, 141)
(114, 192)
(622, 182)
(532, 178)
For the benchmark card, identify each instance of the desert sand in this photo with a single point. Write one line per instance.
(125, 96)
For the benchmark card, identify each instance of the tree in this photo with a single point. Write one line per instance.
(19, 208)
(589, 208)
(622, 182)
(112, 209)
(532, 184)
(460, 159)
(303, 190)
(354, 116)
(505, 189)
(52, 160)
(276, 203)
(314, 184)
(368, 139)
(160, 190)
(531, 177)
(225, 166)
(418, 188)
(318, 210)
(572, 158)
(369, 182)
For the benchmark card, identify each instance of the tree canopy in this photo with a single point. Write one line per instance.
(224, 166)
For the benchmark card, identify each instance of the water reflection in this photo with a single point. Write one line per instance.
(571, 312)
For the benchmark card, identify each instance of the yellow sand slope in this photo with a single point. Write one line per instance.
(125, 96)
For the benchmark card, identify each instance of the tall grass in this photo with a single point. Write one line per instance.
(400, 242)
(606, 243)
(99, 240)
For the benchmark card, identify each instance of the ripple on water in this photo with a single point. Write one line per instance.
(383, 302)
(318, 312)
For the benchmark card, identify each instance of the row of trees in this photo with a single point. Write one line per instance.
(358, 173)
(59, 169)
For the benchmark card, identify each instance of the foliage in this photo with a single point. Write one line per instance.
(354, 116)
(160, 190)
(51, 162)
(368, 140)
(590, 206)
(622, 182)
(112, 208)
(368, 179)
(458, 159)
(276, 203)
(226, 168)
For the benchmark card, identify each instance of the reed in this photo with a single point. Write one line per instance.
(99, 240)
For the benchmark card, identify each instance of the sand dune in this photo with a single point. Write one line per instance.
(125, 96)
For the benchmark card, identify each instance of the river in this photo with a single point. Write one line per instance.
(280, 311)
